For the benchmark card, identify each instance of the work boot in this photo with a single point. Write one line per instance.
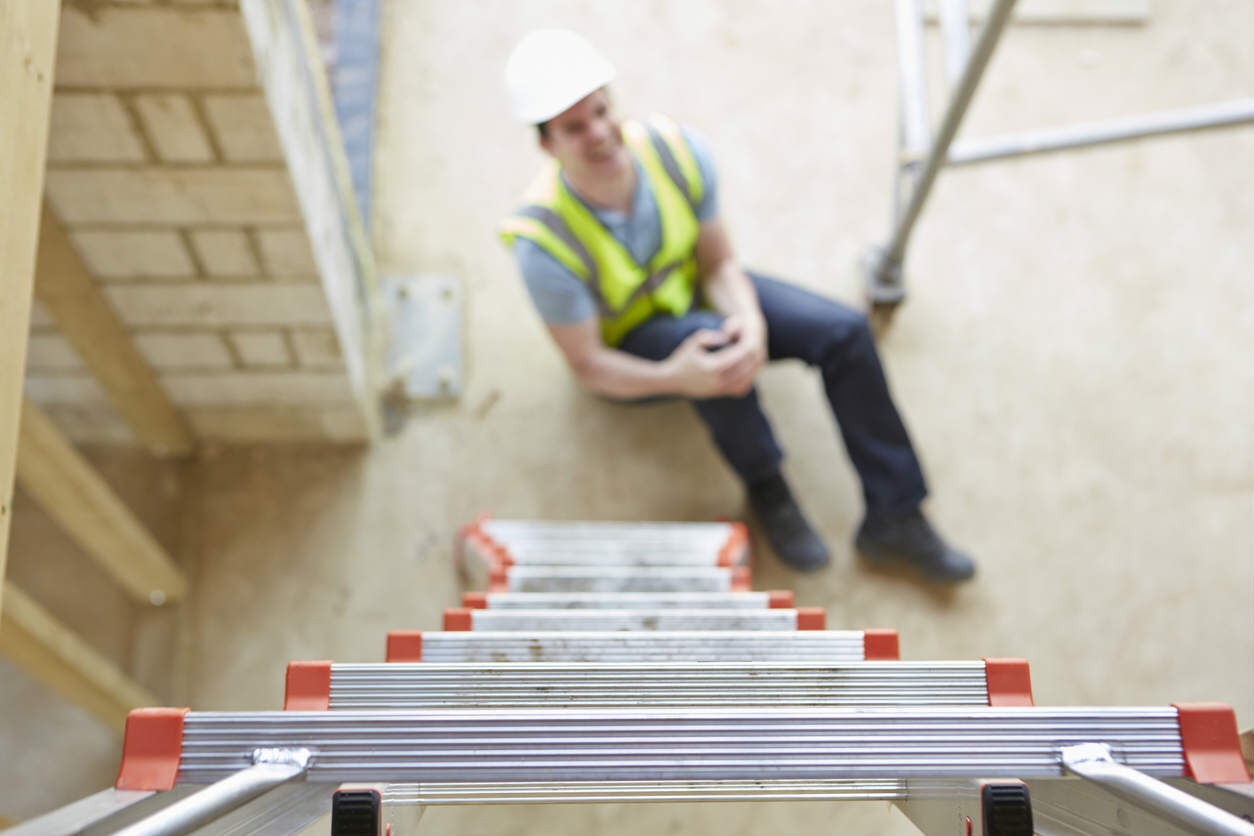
(909, 540)
(785, 527)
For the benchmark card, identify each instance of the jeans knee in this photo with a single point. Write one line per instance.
(850, 336)
(860, 332)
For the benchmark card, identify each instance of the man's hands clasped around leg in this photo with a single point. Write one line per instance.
(723, 363)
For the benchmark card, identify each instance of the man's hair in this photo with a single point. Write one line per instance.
(543, 129)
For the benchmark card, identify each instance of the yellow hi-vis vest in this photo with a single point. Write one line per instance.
(626, 293)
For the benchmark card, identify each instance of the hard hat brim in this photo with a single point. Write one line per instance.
(551, 70)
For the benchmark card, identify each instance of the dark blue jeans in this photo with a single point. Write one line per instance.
(837, 340)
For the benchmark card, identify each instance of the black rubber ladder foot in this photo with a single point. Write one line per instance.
(1007, 810)
(356, 813)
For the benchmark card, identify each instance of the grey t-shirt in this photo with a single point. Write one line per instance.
(561, 297)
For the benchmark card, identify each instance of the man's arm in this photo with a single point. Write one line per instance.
(692, 370)
(730, 292)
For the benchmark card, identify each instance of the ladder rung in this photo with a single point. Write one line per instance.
(764, 743)
(507, 542)
(805, 618)
(769, 599)
(522, 531)
(601, 792)
(673, 646)
(619, 579)
(323, 685)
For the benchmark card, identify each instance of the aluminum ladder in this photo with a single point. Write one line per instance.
(618, 688)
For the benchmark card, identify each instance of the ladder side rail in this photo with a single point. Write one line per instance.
(270, 769)
(1069, 807)
(1094, 762)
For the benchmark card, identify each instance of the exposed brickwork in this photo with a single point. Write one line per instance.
(317, 348)
(225, 252)
(115, 254)
(243, 127)
(184, 351)
(173, 195)
(91, 127)
(261, 348)
(153, 47)
(173, 126)
(81, 389)
(257, 388)
(165, 164)
(205, 304)
(286, 252)
(94, 423)
(51, 353)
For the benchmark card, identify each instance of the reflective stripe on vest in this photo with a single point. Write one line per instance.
(626, 293)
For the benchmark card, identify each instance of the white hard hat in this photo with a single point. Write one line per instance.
(550, 70)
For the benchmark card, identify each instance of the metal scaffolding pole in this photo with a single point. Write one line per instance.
(912, 61)
(956, 28)
(883, 264)
(1206, 117)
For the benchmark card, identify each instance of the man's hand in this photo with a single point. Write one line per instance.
(748, 334)
(720, 364)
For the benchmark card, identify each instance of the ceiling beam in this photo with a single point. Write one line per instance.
(51, 653)
(86, 319)
(28, 37)
(72, 493)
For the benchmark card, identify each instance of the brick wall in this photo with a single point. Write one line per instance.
(165, 164)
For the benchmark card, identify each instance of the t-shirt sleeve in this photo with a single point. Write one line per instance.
(561, 297)
(707, 207)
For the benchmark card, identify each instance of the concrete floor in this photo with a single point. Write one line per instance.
(1073, 364)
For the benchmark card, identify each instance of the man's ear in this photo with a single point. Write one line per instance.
(546, 145)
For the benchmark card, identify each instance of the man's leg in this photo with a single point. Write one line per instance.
(743, 435)
(837, 340)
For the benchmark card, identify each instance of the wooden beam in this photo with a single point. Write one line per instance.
(28, 37)
(83, 315)
(71, 492)
(51, 653)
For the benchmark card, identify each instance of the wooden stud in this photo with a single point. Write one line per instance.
(28, 37)
(33, 640)
(70, 491)
(74, 301)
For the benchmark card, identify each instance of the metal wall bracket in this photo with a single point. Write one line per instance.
(424, 359)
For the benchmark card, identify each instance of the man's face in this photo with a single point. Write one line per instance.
(587, 139)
